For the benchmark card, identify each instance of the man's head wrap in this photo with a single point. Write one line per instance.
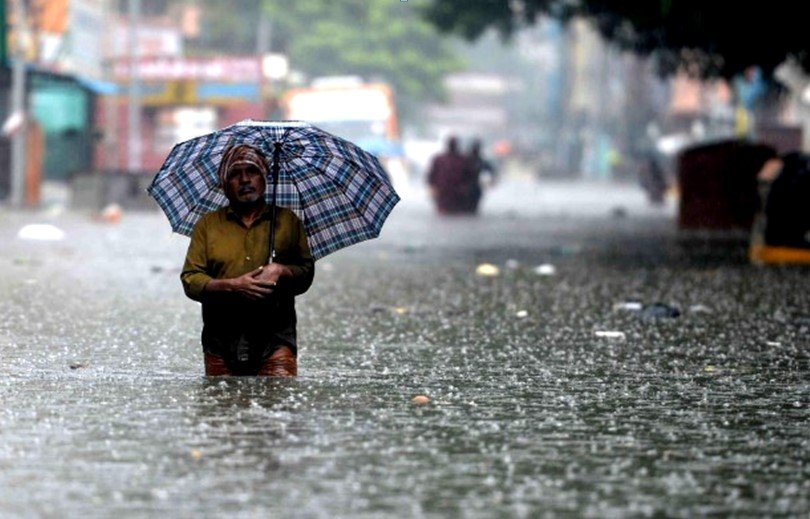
(240, 155)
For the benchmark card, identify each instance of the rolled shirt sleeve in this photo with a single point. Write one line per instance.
(193, 276)
(304, 268)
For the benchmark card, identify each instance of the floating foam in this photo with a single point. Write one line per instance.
(546, 269)
(610, 334)
(41, 232)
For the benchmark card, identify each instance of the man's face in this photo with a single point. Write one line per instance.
(244, 184)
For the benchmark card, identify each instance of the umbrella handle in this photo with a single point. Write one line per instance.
(274, 171)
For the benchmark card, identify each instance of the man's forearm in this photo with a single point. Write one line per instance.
(285, 272)
(230, 284)
(218, 285)
(300, 277)
(248, 285)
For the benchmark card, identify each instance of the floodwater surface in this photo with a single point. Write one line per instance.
(105, 411)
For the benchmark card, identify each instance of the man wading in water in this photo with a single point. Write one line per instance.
(248, 305)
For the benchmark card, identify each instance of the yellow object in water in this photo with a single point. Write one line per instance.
(487, 270)
(768, 254)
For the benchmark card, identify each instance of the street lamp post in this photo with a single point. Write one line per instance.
(134, 144)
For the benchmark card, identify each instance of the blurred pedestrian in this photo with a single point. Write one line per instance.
(248, 308)
(651, 174)
(479, 166)
(652, 179)
(451, 180)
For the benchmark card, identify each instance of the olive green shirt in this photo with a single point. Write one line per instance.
(222, 247)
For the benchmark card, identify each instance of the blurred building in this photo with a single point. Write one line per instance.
(180, 98)
(50, 38)
(476, 106)
(82, 82)
(558, 98)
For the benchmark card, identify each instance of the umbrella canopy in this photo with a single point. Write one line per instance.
(340, 192)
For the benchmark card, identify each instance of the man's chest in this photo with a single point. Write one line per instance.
(234, 250)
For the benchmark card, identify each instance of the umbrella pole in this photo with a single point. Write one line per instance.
(275, 171)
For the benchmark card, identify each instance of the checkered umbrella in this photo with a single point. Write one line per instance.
(340, 192)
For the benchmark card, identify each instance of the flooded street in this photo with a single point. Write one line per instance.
(554, 391)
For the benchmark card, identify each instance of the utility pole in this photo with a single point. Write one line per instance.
(134, 146)
(18, 107)
(113, 157)
(3, 35)
(263, 36)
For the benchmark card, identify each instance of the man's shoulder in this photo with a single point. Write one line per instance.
(212, 217)
(287, 214)
(217, 213)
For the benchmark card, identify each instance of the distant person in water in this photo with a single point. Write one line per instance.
(248, 303)
(479, 166)
(451, 180)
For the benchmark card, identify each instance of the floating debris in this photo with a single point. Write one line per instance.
(618, 212)
(112, 213)
(157, 269)
(41, 232)
(801, 320)
(546, 269)
(412, 248)
(420, 400)
(700, 309)
(610, 334)
(660, 311)
(77, 365)
(522, 314)
(630, 306)
(487, 270)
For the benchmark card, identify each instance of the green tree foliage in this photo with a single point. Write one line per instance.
(383, 40)
(705, 38)
(376, 39)
(226, 28)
